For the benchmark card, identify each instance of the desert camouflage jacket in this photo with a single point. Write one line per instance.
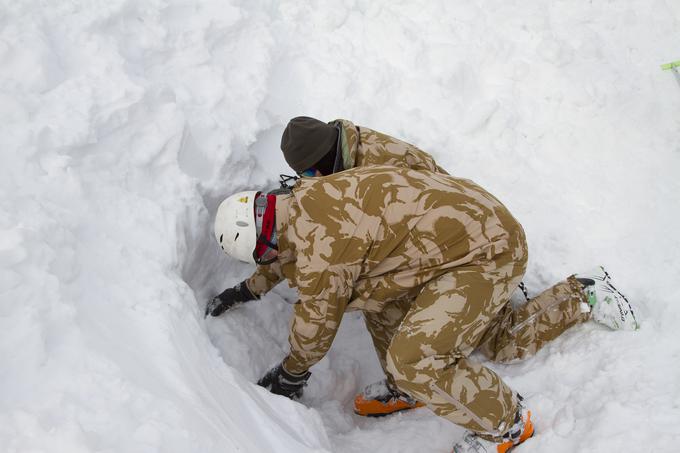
(360, 147)
(368, 236)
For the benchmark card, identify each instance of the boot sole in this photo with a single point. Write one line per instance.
(378, 415)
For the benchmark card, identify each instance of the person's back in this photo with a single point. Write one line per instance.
(391, 229)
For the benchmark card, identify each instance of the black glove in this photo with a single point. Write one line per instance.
(230, 298)
(281, 382)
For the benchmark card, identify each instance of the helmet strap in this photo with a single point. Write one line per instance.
(265, 222)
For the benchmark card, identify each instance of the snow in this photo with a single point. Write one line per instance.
(123, 124)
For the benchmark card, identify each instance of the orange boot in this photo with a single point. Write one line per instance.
(518, 433)
(380, 399)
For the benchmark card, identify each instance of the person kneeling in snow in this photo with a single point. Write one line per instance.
(434, 256)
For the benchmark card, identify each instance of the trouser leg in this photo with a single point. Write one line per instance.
(521, 332)
(383, 325)
(428, 355)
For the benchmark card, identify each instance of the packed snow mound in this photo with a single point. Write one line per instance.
(123, 124)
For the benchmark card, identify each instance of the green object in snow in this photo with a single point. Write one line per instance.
(671, 65)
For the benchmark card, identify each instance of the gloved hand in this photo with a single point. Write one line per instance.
(281, 382)
(229, 298)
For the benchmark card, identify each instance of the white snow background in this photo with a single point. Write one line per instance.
(124, 123)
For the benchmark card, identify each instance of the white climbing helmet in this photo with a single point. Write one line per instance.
(235, 228)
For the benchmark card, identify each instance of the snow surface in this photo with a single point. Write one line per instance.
(123, 124)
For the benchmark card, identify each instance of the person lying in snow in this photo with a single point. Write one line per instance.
(432, 261)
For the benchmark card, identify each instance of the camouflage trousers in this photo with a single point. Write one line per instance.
(424, 345)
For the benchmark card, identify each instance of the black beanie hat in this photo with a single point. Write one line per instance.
(305, 141)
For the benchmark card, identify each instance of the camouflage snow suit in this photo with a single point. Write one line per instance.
(432, 260)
